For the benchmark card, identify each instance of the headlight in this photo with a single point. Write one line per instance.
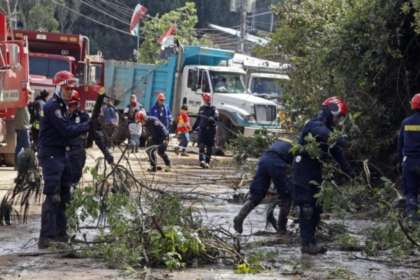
(247, 118)
(250, 118)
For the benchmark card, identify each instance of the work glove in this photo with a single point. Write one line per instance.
(95, 124)
(56, 198)
(109, 158)
(165, 142)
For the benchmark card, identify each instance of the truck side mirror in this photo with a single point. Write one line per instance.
(14, 59)
(80, 73)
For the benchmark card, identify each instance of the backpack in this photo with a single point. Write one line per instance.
(33, 108)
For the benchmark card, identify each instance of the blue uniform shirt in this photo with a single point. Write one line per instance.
(76, 118)
(204, 114)
(409, 138)
(156, 129)
(56, 129)
(109, 114)
(163, 113)
(281, 148)
(322, 133)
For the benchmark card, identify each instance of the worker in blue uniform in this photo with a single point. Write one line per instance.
(271, 166)
(409, 156)
(161, 111)
(160, 140)
(307, 170)
(206, 121)
(55, 132)
(76, 152)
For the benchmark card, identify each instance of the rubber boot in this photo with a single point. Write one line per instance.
(239, 219)
(136, 148)
(313, 249)
(282, 221)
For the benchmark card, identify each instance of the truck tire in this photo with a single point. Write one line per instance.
(9, 159)
(226, 131)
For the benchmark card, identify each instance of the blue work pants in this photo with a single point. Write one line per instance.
(410, 182)
(206, 141)
(77, 159)
(56, 170)
(305, 171)
(185, 139)
(271, 167)
(157, 145)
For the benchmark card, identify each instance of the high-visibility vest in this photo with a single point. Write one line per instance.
(183, 122)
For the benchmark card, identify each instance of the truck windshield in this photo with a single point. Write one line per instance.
(46, 66)
(227, 82)
(266, 86)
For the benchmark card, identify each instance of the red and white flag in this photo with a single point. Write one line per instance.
(167, 39)
(139, 11)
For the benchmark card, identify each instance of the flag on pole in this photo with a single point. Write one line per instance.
(167, 42)
(139, 11)
(167, 39)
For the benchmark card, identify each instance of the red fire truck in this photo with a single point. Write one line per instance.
(14, 70)
(53, 52)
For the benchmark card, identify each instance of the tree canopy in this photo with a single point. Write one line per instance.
(364, 51)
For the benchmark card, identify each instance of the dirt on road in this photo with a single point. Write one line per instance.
(21, 259)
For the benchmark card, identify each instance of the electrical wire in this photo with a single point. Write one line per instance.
(105, 13)
(127, 11)
(98, 22)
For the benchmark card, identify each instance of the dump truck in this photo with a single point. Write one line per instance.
(263, 77)
(52, 52)
(183, 78)
(14, 88)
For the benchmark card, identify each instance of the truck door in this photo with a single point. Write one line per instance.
(194, 91)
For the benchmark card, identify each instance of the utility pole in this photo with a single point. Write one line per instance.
(243, 27)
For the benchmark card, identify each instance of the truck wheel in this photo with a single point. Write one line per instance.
(9, 159)
(226, 131)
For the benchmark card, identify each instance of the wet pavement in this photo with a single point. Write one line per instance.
(214, 188)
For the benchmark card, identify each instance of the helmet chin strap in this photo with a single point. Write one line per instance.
(58, 91)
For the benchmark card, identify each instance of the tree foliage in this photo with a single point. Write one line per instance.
(364, 51)
(183, 19)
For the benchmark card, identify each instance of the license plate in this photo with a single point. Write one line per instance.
(10, 95)
(89, 104)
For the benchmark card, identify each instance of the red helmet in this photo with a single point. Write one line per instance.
(415, 102)
(337, 107)
(140, 116)
(161, 96)
(206, 96)
(65, 79)
(75, 98)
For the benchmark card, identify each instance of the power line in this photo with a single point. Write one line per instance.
(105, 13)
(119, 8)
(106, 25)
